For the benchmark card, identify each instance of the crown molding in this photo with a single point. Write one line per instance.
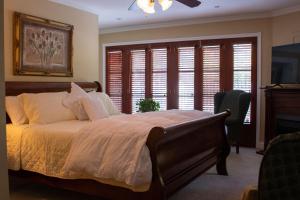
(285, 11)
(76, 5)
(274, 13)
(184, 23)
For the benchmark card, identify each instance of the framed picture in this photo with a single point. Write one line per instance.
(42, 47)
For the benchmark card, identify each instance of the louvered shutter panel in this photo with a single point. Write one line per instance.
(114, 77)
(138, 70)
(211, 75)
(159, 76)
(242, 65)
(186, 70)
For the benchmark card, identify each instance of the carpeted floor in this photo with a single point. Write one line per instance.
(243, 171)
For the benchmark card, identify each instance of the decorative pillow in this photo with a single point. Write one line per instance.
(73, 102)
(15, 111)
(44, 108)
(94, 108)
(107, 102)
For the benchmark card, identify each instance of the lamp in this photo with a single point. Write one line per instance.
(165, 4)
(148, 5)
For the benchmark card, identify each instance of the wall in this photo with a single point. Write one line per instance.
(263, 26)
(85, 39)
(274, 31)
(3, 160)
(286, 29)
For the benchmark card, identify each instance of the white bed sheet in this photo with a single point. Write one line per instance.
(13, 140)
(45, 148)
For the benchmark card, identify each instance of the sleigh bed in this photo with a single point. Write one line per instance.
(178, 153)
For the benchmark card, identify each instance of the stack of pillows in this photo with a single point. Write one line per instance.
(45, 108)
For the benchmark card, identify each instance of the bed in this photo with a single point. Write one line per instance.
(204, 142)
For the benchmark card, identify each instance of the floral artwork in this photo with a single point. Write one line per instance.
(45, 48)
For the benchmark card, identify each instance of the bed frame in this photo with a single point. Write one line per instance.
(178, 153)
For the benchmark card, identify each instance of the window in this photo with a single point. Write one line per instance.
(159, 76)
(242, 62)
(138, 67)
(184, 75)
(186, 69)
(211, 75)
(114, 77)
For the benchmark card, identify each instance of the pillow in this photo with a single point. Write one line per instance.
(94, 108)
(107, 102)
(15, 111)
(44, 108)
(73, 102)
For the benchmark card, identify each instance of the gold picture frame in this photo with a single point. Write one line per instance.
(42, 47)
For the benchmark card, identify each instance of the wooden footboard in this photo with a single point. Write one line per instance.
(180, 153)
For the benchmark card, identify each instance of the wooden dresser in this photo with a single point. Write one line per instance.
(280, 103)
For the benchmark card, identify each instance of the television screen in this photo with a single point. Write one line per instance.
(286, 64)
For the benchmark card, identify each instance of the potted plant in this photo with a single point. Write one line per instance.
(147, 105)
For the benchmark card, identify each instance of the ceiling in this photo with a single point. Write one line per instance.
(115, 14)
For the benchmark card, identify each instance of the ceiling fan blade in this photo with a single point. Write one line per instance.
(133, 6)
(190, 3)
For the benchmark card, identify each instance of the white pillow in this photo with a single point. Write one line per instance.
(73, 102)
(107, 102)
(94, 108)
(44, 108)
(15, 111)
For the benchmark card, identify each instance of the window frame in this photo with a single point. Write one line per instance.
(172, 72)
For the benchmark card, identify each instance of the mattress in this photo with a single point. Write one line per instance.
(111, 150)
(44, 149)
(13, 140)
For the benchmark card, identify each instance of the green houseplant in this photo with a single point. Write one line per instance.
(147, 105)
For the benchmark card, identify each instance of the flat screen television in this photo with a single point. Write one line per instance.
(286, 64)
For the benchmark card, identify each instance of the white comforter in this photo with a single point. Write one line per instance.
(114, 148)
(110, 150)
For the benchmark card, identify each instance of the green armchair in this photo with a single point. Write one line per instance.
(237, 101)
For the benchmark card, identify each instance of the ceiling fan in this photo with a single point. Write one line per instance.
(148, 5)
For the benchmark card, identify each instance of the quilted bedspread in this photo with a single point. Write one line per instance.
(110, 150)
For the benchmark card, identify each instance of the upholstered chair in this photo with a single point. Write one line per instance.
(279, 175)
(237, 101)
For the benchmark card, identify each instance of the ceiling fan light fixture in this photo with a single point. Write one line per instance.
(165, 4)
(146, 5)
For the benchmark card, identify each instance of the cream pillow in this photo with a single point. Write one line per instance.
(107, 102)
(94, 108)
(15, 111)
(73, 102)
(44, 108)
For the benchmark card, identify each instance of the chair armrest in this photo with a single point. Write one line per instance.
(218, 98)
(244, 102)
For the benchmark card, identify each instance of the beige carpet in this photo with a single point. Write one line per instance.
(243, 171)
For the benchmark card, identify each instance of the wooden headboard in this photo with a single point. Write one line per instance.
(14, 88)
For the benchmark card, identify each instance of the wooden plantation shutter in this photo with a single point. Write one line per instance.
(242, 65)
(159, 76)
(138, 77)
(184, 75)
(211, 75)
(186, 72)
(114, 77)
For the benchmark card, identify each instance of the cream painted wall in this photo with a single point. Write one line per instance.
(85, 39)
(286, 29)
(3, 161)
(263, 26)
(274, 31)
